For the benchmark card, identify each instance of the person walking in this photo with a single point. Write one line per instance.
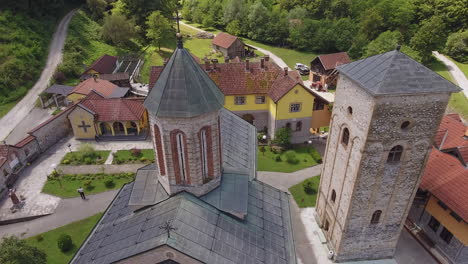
(81, 192)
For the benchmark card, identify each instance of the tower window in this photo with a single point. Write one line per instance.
(299, 126)
(350, 110)
(433, 224)
(376, 217)
(394, 155)
(204, 155)
(333, 196)
(446, 235)
(159, 150)
(180, 157)
(405, 125)
(345, 137)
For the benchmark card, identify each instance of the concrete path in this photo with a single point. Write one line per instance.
(456, 73)
(275, 58)
(22, 109)
(283, 181)
(68, 211)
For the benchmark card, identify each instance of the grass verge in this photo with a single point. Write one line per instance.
(267, 161)
(126, 156)
(305, 193)
(69, 183)
(76, 158)
(78, 231)
(5, 108)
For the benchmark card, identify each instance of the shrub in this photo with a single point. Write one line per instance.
(262, 150)
(88, 160)
(39, 238)
(64, 242)
(143, 159)
(283, 137)
(59, 77)
(278, 158)
(315, 155)
(309, 188)
(65, 162)
(109, 183)
(88, 185)
(135, 152)
(291, 157)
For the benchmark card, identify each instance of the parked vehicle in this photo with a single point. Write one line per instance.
(302, 69)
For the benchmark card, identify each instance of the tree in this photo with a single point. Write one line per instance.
(257, 20)
(117, 29)
(430, 36)
(16, 251)
(233, 10)
(96, 8)
(345, 30)
(370, 23)
(457, 46)
(158, 28)
(208, 21)
(283, 137)
(386, 41)
(234, 28)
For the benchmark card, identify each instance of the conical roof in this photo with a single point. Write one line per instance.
(183, 89)
(394, 72)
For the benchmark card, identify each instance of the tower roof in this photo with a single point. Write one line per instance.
(394, 73)
(183, 89)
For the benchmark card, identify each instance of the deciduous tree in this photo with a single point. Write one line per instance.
(386, 41)
(117, 29)
(16, 251)
(457, 46)
(96, 8)
(158, 28)
(430, 36)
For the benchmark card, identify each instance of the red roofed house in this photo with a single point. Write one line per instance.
(231, 46)
(440, 207)
(109, 118)
(104, 88)
(322, 68)
(104, 65)
(12, 159)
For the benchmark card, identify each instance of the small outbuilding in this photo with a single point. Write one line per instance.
(322, 68)
(231, 46)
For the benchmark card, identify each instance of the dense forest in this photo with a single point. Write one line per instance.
(361, 27)
(26, 28)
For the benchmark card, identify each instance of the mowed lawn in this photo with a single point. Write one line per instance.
(77, 230)
(126, 156)
(302, 198)
(267, 161)
(4, 108)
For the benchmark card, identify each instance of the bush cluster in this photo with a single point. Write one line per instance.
(291, 157)
(64, 242)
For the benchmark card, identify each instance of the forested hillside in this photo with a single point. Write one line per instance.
(361, 27)
(26, 28)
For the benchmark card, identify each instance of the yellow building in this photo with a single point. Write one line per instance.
(267, 96)
(98, 117)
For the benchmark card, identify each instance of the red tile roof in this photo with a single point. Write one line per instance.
(155, 71)
(105, 64)
(103, 87)
(447, 179)
(283, 84)
(224, 40)
(330, 61)
(25, 141)
(451, 133)
(115, 109)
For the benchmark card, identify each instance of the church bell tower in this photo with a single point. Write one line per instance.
(387, 110)
(184, 107)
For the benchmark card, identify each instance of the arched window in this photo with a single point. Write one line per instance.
(206, 153)
(345, 136)
(159, 150)
(299, 126)
(394, 155)
(376, 217)
(333, 196)
(179, 156)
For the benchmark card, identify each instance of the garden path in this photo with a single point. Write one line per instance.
(456, 73)
(106, 168)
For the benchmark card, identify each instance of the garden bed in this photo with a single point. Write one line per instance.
(305, 193)
(65, 186)
(76, 158)
(297, 158)
(145, 156)
(47, 242)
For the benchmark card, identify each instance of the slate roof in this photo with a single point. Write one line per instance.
(103, 87)
(331, 61)
(105, 64)
(224, 40)
(114, 109)
(394, 73)
(183, 89)
(60, 89)
(202, 231)
(147, 190)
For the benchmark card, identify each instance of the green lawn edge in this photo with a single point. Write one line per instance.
(301, 197)
(103, 153)
(266, 161)
(125, 157)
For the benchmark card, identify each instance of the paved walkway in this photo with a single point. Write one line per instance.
(275, 58)
(22, 109)
(456, 73)
(105, 168)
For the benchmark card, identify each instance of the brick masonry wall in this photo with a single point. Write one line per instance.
(363, 180)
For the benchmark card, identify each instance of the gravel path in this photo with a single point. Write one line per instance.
(456, 73)
(22, 109)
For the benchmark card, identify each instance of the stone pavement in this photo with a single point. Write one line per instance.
(68, 211)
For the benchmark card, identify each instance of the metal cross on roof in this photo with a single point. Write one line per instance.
(168, 227)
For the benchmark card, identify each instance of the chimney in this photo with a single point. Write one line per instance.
(286, 71)
(207, 65)
(215, 63)
(262, 63)
(267, 58)
(226, 59)
(247, 66)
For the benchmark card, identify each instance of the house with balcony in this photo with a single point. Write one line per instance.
(323, 68)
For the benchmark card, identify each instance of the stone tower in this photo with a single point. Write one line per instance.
(184, 107)
(387, 110)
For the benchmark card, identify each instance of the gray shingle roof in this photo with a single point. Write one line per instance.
(183, 89)
(60, 89)
(394, 72)
(147, 190)
(203, 232)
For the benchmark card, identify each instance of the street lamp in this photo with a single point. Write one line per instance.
(56, 174)
(264, 137)
(69, 147)
(310, 141)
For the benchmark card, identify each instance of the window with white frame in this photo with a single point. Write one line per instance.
(239, 100)
(260, 99)
(295, 107)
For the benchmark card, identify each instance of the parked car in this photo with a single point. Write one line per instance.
(302, 69)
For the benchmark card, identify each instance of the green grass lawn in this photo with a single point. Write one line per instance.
(73, 158)
(70, 183)
(302, 198)
(209, 29)
(267, 160)
(77, 230)
(440, 68)
(4, 108)
(125, 156)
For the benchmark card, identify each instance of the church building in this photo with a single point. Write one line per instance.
(200, 202)
(387, 111)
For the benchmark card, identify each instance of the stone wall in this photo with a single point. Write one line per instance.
(359, 173)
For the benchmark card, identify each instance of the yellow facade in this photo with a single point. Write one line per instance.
(458, 229)
(82, 123)
(74, 97)
(272, 107)
(250, 104)
(296, 95)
